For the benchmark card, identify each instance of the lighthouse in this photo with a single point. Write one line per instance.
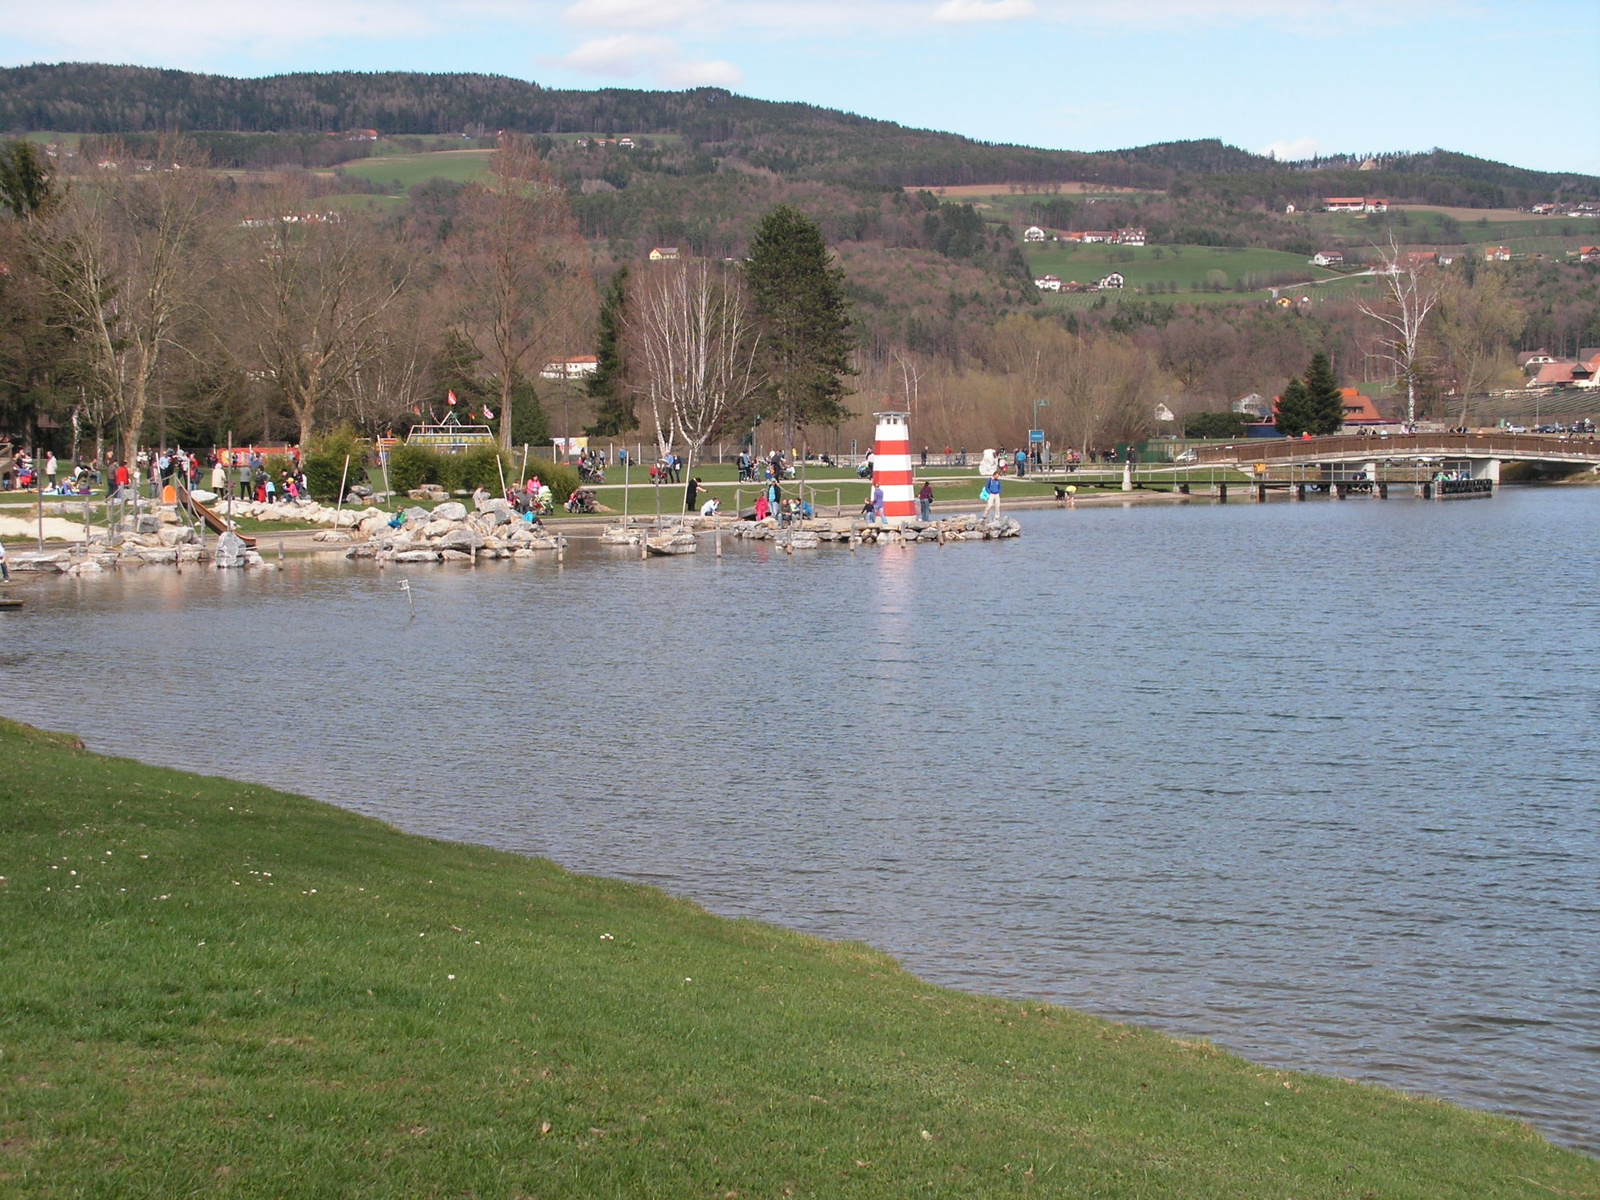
(891, 467)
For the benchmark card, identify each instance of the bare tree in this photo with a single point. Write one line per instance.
(525, 290)
(124, 256)
(1411, 290)
(695, 345)
(1477, 321)
(312, 290)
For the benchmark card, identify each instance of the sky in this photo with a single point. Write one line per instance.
(1508, 81)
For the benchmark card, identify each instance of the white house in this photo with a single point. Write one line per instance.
(578, 367)
(1130, 237)
(664, 254)
(1111, 281)
(1034, 234)
(1253, 405)
(1048, 283)
(1095, 235)
(1354, 204)
(625, 143)
(1327, 258)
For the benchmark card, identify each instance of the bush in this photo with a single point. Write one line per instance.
(562, 479)
(467, 472)
(1214, 425)
(411, 467)
(324, 463)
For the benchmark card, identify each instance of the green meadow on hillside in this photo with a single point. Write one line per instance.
(404, 171)
(211, 988)
(1188, 268)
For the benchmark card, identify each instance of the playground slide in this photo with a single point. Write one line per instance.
(214, 521)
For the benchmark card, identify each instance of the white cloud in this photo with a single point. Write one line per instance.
(1292, 151)
(983, 10)
(628, 55)
(633, 14)
(191, 31)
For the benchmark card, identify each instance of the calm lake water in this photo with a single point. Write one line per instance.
(1314, 780)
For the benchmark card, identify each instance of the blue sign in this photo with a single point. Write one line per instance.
(1036, 435)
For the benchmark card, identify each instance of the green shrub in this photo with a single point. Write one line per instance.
(411, 467)
(324, 463)
(474, 469)
(1214, 425)
(562, 479)
(277, 464)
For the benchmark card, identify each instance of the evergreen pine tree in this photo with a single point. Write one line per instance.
(1294, 409)
(798, 296)
(1326, 405)
(607, 387)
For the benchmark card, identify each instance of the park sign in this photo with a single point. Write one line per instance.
(1036, 435)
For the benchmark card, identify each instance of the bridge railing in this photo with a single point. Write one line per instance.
(1580, 448)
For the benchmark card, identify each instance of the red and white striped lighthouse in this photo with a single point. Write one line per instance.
(891, 467)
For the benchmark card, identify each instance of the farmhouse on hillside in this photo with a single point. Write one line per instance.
(577, 367)
(1498, 253)
(664, 254)
(1589, 254)
(1354, 204)
(1034, 234)
(1130, 237)
(1111, 282)
(1048, 283)
(1327, 258)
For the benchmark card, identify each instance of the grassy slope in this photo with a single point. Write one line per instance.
(458, 166)
(1182, 265)
(241, 992)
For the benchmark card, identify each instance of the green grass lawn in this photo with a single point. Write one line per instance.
(404, 171)
(1183, 266)
(215, 989)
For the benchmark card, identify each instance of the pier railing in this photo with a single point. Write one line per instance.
(1524, 447)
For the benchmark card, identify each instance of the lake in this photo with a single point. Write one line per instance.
(1314, 780)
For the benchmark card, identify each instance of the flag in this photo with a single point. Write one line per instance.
(488, 413)
(450, 398)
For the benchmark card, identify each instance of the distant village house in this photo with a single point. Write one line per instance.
(664, 254)
(1354, 204)
(1327, 258)
(579, 367)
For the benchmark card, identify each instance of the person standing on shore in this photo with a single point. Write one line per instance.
(925, 500)
(991, 495)
(877, 504)
(691, 493)
(50, 469)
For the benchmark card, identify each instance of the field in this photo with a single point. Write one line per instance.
(401, 172)
(1428, 227)
(216, 989)
(1186, 267)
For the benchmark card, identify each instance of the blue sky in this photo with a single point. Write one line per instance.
(1507, 81)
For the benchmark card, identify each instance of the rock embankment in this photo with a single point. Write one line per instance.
(807, 534)
(147, 541)
(447, 534)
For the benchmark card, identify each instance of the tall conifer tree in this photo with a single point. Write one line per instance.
(607, 387)
(799, 300)
(1294, 409)
(1326, 404)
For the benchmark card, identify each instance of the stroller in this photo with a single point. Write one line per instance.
(582, 501)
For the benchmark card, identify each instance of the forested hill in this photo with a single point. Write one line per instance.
(791, 139)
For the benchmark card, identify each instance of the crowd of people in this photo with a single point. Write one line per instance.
(240, 472)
